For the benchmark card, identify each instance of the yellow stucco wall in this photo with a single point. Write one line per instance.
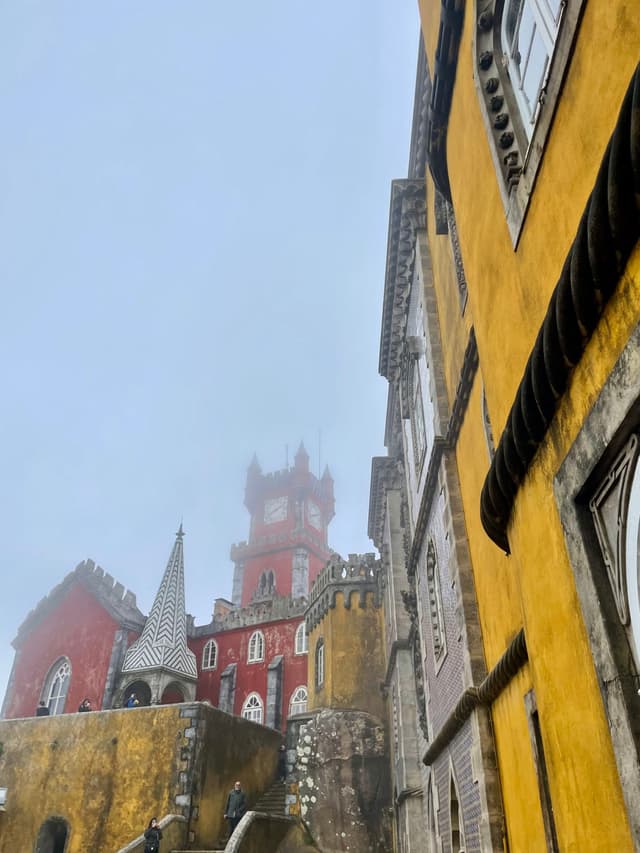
(107, 773)
(509, 291)
(354, 657)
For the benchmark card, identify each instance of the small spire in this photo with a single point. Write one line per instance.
(180, 533)
(301, 458)
(254, 465)
(326, 474)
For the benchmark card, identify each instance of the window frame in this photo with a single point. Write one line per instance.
(248, 708)
(319, 663)
(206, 655)
(516, 154)
(254, 655)
(293, 713)
(301, 648)
(54, 670)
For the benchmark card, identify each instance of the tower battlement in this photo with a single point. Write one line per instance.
(359, 573)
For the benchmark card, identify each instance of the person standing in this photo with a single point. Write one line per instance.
(152, 836)
(42, 710)
(132, 701)
(236, 807)
(281, 770)
(85, 705)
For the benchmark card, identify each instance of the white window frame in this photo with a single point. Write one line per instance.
(632, 564)
(547, 25)
(207, 663)
(253, 708)
(55, 696)
(256, 647)
(299, 700)
(319, 660)
(301, 645)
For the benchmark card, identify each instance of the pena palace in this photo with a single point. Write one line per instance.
(88, 639)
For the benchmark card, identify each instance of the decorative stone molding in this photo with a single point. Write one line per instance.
(608, 231)
(441, 445)
(407, 215)
(486, 693)
(386, 474)
(418, 148)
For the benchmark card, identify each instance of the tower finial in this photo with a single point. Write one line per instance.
(180, 533)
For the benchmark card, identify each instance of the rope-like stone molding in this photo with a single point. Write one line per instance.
(486, 693)
(444, 75)
(608, 231)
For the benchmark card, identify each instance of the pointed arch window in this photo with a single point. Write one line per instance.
(302, 641)
(56, 686)
(256, 647)
(298, 703)
(253, 708)
(319, 657)
(210, 655)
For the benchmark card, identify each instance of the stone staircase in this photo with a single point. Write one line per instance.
(271, 802)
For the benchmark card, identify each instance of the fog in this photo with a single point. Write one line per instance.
(193, 216)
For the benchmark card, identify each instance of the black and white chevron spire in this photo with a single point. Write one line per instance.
(163, 643)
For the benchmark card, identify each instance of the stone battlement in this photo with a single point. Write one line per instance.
(359, 573)
(118, 601)
(278, 607)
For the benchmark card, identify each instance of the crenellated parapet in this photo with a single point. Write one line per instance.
(278, 607)
(359, 573)
(118, 601)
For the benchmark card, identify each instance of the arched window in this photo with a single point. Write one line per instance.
(256, 647)
(53, 835)
(298, 703)
(210, 655)
(56, 686)
(302, 642)
(319, 663)
(252, 708)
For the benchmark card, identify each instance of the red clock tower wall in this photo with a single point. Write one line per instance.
(287, 547)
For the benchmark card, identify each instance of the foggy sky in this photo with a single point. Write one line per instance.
(193, 215)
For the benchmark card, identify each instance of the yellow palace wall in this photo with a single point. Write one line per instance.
(508, 294)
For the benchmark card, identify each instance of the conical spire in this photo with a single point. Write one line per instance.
(163, 643)
(301, 458)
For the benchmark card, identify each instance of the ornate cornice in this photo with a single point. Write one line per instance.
(486, 693)
(608, 231)
(385, 474)
(444, 75)
(418, 149)
(407, 214)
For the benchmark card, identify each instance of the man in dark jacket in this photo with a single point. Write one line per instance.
(236, 806)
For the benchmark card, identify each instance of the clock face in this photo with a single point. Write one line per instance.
(313, 515)
(275, 509)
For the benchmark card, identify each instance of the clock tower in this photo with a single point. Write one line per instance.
(290, 513)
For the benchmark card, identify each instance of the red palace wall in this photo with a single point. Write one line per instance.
(78, 628)
(233, 647)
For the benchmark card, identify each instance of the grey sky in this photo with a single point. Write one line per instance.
(193, 215)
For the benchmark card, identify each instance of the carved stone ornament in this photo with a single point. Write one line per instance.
(609, 508)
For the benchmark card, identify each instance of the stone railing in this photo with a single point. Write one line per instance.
(173, 834)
